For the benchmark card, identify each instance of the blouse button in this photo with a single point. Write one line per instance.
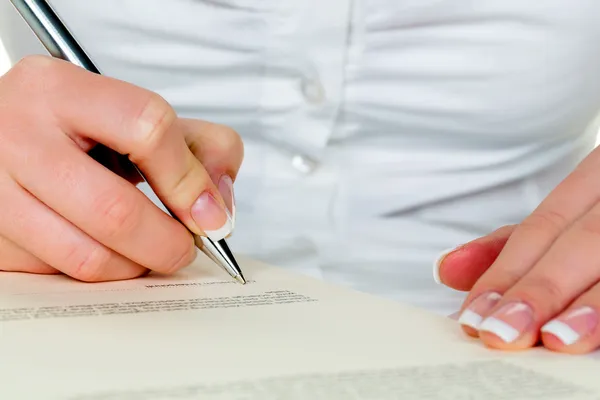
(304, 164)
(313, 91)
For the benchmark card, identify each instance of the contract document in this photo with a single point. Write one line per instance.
(200, 335)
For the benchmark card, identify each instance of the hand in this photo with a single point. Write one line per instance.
(539, 280)
(62, 211)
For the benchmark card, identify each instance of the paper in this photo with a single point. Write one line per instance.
(200, 335)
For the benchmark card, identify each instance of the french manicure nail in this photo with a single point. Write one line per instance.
(211, 217)
(438, 263)
(571, 326)
(454, 316)
(226, 189)
(474, 313)
(509, 322)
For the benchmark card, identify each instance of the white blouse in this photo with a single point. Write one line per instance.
(377, 132)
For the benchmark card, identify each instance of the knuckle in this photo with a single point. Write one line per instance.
(33, 64)
(222, 142)
(500, 278)
(37, 72)
(543, 291)
(182, 257)
(152, 124)
(32, 74)
(66, 175)
(229, 140)
(545, 221)
(590, 225)
(183, 182)
(89, 264)
(119, 214)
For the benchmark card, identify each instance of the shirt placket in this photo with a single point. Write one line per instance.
(302, 90)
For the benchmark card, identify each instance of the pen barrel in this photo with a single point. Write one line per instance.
(53, 33)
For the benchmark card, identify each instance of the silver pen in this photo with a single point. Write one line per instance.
(60, 43)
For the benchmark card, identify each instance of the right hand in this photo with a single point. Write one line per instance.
(63, 212)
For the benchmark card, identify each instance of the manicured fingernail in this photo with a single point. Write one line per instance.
(473, 315)
(211, 217)
(509, 322)
(454, 316)
(438, 263)
(226, 189)
(573, 325)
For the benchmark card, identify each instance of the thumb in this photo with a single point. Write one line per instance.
(460, 268)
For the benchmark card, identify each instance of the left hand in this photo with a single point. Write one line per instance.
(539, 280)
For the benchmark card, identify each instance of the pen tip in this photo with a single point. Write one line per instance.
(240, 279)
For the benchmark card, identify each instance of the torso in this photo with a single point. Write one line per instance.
(431, 121)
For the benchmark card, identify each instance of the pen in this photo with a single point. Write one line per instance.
(59, 42)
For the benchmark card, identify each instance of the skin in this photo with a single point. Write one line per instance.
(52, 116)
(549, 262)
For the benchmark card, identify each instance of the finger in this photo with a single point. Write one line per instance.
(566, 271)
(218, 147)
(531, 239)
(104, 206)
(575, 331)
(454, 316)
(463, 266)
(220, 151)
(132, 121)
(14, 259)
(52, 239)
(140, 123)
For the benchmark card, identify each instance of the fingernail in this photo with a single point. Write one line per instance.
(211, 217)
(509, 322)
(226, 189)
(473, 315)
(573, 325)
(454, 316)
(438, 263)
